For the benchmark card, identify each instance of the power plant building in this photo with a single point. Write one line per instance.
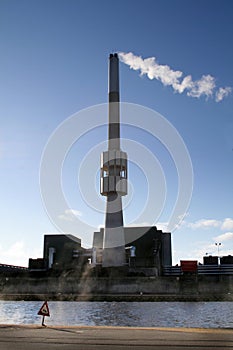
(139, 249)
(147, 250)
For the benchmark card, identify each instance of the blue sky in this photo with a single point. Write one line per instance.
(53, 63)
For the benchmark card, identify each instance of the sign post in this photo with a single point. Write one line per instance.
(44, 311)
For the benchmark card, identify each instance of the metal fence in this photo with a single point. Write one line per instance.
(226, 269)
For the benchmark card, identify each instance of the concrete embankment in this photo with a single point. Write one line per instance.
(206, 288)
(14, 337)
(117, 297)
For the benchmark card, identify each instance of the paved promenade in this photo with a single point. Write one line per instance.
(114, 338)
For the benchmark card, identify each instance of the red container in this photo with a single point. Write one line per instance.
(188, 265)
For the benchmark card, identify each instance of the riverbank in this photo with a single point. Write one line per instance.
(31, 337)
(118, 297)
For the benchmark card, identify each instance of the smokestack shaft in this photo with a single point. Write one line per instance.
(114, 99)
(113, 181)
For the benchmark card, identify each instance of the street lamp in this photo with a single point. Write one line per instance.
(218, 244)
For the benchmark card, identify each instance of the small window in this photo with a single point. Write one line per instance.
(123, 173)
(105, 173)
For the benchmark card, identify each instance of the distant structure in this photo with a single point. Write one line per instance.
(113, 182)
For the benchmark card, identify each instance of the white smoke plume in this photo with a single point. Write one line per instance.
(205, 86)
(222, 92)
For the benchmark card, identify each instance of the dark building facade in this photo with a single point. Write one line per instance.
(210, 260)
(61, 252)
(226, 260)
(146, 248)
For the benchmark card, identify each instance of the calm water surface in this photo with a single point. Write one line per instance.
(144, 314)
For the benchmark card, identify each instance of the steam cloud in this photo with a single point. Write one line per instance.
(205, 86)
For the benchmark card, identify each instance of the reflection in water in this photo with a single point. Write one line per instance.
(144, 314)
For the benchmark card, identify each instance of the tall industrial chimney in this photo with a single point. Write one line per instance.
(113, 176)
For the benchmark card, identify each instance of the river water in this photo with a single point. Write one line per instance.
(135, 314)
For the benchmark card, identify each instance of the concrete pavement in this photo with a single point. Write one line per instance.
(31, 337)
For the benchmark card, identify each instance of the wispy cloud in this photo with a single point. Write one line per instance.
(205, 86)
(227, 224)
(18, 254)
(162, 226)
(70, 214)
(228, 236)
(208, 246)
(204, 223)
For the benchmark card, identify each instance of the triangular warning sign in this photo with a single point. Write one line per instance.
(44, 310)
